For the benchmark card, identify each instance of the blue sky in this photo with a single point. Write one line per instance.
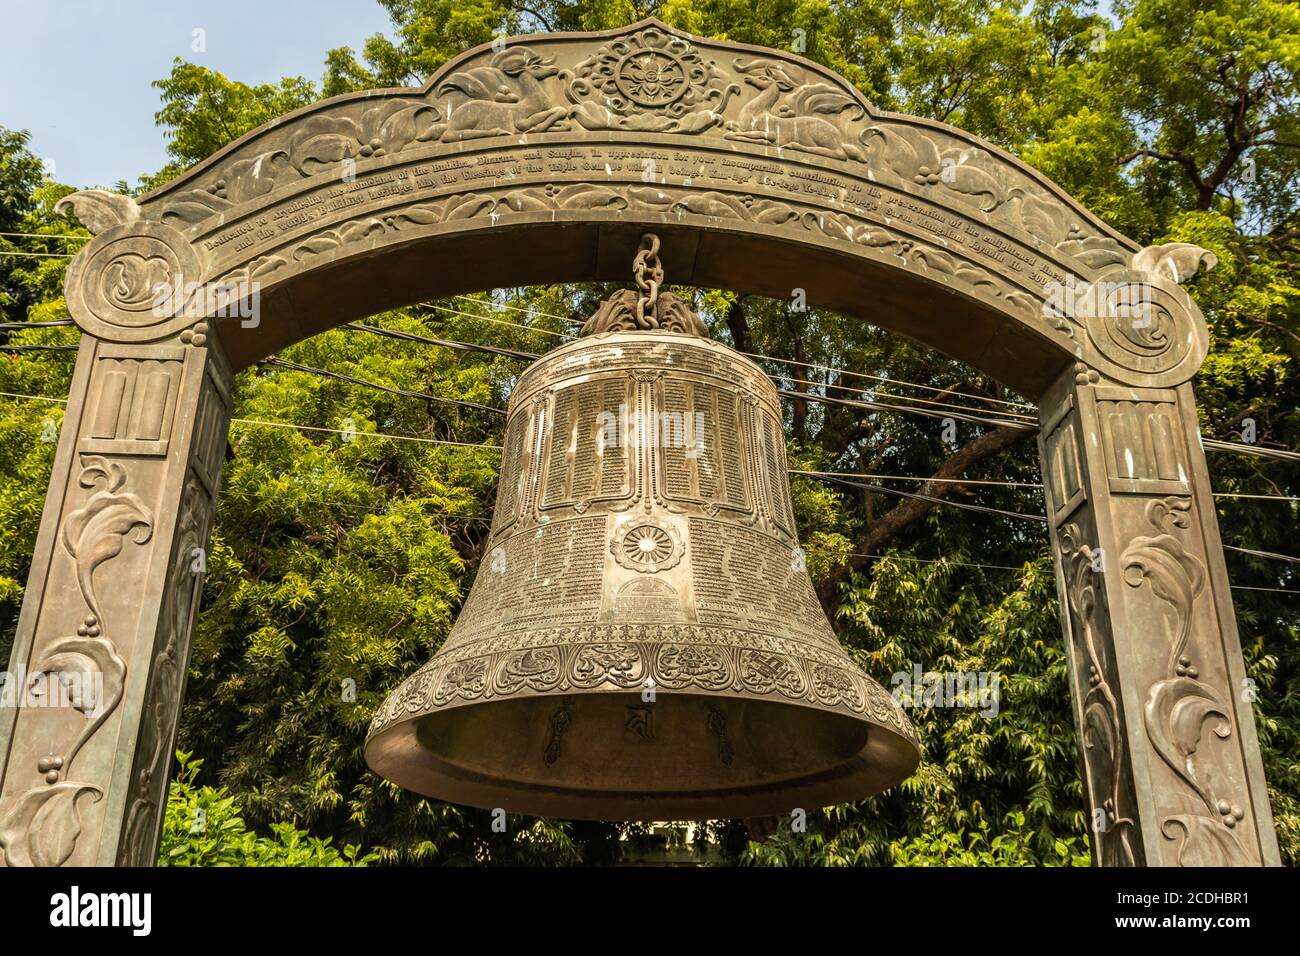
(77, 73)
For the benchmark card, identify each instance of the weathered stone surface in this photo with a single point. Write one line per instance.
(545, 161)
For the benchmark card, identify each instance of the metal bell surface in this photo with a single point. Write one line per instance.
(642, 641)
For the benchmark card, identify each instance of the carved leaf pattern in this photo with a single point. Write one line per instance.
(1175, 576)
(98, 209)
(321, 144)
(97, 531)
(85, 656)
(1179, 706)
(915, 156)
(1102, 731)
(1203, 841)
(180, 601)
(42, 827)
(1180, 260)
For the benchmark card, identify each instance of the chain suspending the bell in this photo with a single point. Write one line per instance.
(642, 641)
(646, 308)
(649, 273)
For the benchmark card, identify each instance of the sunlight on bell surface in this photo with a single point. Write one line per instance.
(650, 646)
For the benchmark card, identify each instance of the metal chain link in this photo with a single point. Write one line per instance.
(649, 272)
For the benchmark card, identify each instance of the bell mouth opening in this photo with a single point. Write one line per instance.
(614, 756)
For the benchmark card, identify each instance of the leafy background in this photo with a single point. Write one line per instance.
(342, 563)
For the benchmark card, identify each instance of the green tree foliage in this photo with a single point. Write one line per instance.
(203, 827)
(202, 111)
(340, 557)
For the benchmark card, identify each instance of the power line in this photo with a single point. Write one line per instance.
(880, 489)
(963, 564)
(1008, 567)
(250, 496)
(755, 355)
(516, 308)
(405, 393)
(816, 474)
(35, 398)
(997, 482)
(444, 343)
(872, 396)
(924, 480)
(773, 358)
(1237, 448)
(907, 409)
(1228, 494)
(41, 235)
(39, 255)
(1209, 444)
(828, 475)
(361, 434)
(485, 318)
(20, 326)
(1262, 554)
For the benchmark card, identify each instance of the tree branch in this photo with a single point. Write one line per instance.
(879, 532)
(738, 325)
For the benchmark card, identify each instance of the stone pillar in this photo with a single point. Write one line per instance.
(1171, 764)
(98, 665)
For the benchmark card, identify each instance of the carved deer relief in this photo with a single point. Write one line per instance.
(785, 111)
(503, 98)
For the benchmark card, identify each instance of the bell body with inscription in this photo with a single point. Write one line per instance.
(642, 641)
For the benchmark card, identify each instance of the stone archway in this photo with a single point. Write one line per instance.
(542, 159)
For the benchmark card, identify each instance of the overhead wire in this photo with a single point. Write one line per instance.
(42, 235)
(833, 476)
(1210, 444)
(405, 393)
(497, 306)
(756, 355)
(772, 358)
(881, 489)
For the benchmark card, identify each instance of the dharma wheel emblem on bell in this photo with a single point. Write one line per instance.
(645, 643)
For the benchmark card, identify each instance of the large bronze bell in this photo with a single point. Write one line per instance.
(642, 641)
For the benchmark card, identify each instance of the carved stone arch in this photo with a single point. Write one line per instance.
(543, 159)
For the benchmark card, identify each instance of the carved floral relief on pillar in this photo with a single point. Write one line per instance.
(1204, 819)
(41, 826)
